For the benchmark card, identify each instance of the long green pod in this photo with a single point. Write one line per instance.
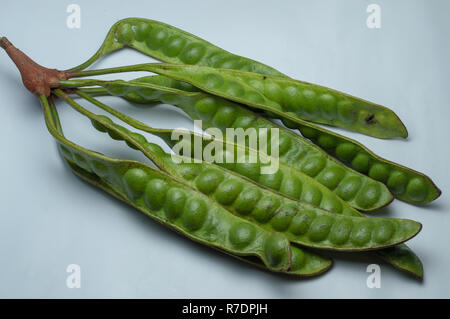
(399, 256)
(404, 183)
(301, 100)
(170, 44)
(178, 206)
(311, 102)
(301, 223)
(359, 191)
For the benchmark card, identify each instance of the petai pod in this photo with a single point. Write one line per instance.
(404, 183)
(301, 100)
(359, 191)
(178, 206)
(300, 223)
(170, 44)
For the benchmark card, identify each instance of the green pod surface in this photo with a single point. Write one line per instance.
(300, 223)
(302, 100)
(170, 44)
(399, 256)
(178, 206)
(356, 189)
(404, 183)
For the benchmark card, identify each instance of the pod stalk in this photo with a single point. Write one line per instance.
(37, 79)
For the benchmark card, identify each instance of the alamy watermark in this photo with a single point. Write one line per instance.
(74, 279)
(374, 19)
(374, 279)
(73, 20)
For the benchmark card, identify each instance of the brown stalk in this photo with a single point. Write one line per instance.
(36, 78)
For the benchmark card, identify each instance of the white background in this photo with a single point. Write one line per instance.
(50, 219)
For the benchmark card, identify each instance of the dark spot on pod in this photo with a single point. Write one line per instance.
(370, 119)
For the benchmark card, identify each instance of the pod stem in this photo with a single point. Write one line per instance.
(36, 78)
